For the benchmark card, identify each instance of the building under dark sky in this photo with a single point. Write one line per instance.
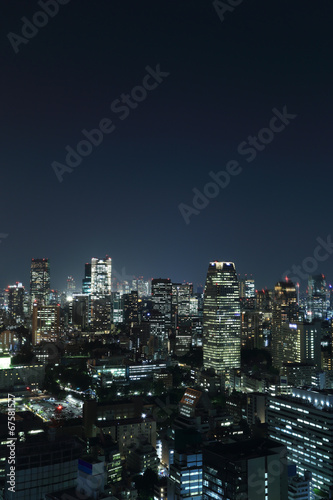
(180, 95)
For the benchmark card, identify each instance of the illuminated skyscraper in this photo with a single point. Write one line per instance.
(101, 276)
(86, 282)
(221, 318)
(160, 319)
(285, 311)
(303, 422)
(181, 297)
(161, 291)
(45, 323)
(317, 297)
(40, 281)
(247, 292)
(101, 293)
(15, 295)
(71, 286)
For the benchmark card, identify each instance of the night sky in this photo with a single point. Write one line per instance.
(123, 199)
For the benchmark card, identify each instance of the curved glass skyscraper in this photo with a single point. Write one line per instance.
(221, 319)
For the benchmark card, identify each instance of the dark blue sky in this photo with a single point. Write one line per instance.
(122, 200)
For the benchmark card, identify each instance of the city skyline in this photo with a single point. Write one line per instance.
(166, 258)
(122, 274)
(239, 132)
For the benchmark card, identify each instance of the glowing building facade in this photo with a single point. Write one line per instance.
(40, 281)
(221, 319)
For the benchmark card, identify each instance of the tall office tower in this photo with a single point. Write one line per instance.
(301, 342)
(221, 319)
(45, 464)
(86, 282)
(264, 300)
(117, 308)
(254, 470)
(161, 292)
(141, 286)
(80, 307)
(40, 281)
(247, 292)
(101, 276)
(252, 333)
(131, 308)
(312, 340)
(71, 285)
(45, 323)
(317, 297)
(285, 311)
(159, 331)
(101, 294)
(303, 422)
(181, 297)
(15, 301)
(185, 478)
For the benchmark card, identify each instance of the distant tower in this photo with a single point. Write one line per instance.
(317, 297)
(221, 318)
(40, 281)
(100, 305)
(285, 311)
(161, 291)
(15, 295)
(71, 286)
(160, 319)
(101, 276)
(86, 282)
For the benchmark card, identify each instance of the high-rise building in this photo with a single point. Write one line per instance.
(285, 311)
(15, 300)
(161, 316)
(303, 422)
(117, 308)
(221, 318)
(71, 285)
(101, 293)
(44, 466)
(185, 479)
(45, 323)
(101, 276)
(86, 282)
(40, 281)
(254, 470)
(317, 297)
(161, 291)
(181, 297)
(80, 307)
(247, 292)
(130, 301)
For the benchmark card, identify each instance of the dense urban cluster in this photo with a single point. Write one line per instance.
(134, 389)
